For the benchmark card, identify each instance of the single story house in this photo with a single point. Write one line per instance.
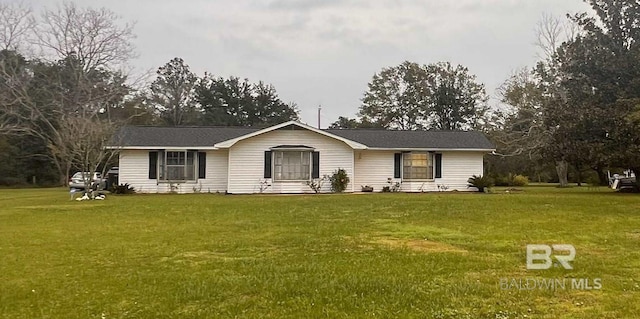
(283, 158)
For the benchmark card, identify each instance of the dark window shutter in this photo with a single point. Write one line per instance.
(153, 165)
(315, 165)
(438, 165)
(202, 165)
(397, 161)
(267, 164)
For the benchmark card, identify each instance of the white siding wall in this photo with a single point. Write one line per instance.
(246, 169)
(457, 167)
(246, 160)
(217, 166)
(134, 170)
(373, 168)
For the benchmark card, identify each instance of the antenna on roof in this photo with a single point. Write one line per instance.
(319, 109)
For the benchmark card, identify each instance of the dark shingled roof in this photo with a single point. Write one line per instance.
(181, 136)
(152, 136)
(416, 139)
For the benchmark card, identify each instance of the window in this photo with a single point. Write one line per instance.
(417, 165)
(177, 166)
(292, 165)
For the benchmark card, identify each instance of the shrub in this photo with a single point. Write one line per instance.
(386, 189)
(520, 180)
(511, 180)
(316, 184)
(502, 180)
(339, 180)
(480, 182)
(122, 189)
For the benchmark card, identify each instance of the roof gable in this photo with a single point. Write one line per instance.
(231, 142)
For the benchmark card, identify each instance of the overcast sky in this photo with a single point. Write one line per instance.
(324, 52)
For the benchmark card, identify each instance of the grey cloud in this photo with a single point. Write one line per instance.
(325, 51)
(303, 5)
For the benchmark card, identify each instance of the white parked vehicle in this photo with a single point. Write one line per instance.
(77, 182)
(626, 180)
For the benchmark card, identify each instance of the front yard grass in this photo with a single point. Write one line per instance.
(315, 256)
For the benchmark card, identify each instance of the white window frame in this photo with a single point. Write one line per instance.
(163, 165)
(408, 170)
(306, 165)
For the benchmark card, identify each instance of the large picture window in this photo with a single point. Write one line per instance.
(292, 165)
(417, 166)
(177, 165)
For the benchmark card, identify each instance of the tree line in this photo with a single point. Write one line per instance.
(572, 116)
(64, 93)
(578, 107)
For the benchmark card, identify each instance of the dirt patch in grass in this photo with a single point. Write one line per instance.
(419, 245)
(201, 257)
(393, 228)
(634, 235)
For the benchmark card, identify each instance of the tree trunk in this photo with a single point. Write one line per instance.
(63, 177)
(579, 177)
(636, 172)
(562, 168)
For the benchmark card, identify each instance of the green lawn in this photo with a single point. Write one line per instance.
(318, 256)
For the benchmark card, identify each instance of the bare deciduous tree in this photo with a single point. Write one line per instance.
(93, 35)
(16, 26)
(88, 144)
(551, 31)
(523, 131)
(67, 118)
(63, 101)
(529, 94)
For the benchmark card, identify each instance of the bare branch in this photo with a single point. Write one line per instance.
(549, 32)
(65, 103)
(16, 26)
(93, 36)
(572, 30)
